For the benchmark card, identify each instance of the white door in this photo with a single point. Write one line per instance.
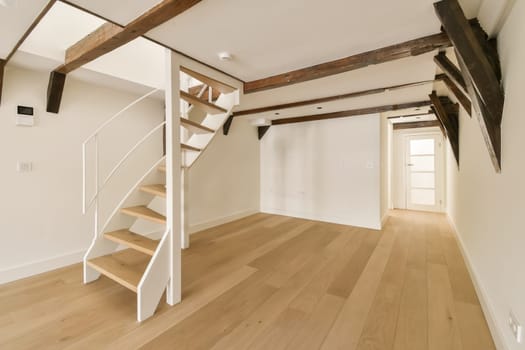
(424, 172)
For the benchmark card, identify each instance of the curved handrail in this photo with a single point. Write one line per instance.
(121, 161)
(116, 115)
(95, 135)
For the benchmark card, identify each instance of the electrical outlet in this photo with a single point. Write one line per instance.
(516, 328)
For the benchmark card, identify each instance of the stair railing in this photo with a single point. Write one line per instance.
(100, 185)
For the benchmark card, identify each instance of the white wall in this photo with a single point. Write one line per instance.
(487, 208)
(319, 170)
(224, 181)
(41, 223)
(386, 159)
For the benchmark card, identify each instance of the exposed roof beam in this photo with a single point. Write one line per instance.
(2, 67)
(411, 115)
(75, 5)
(227, 125)
(415, 125)
(55, 89)
(461, 97)
(450, 70)
(110, 36)
(479, 65)
(351, 113)
(406, 49)
(334, 98)
(447, 114)
(262, 130)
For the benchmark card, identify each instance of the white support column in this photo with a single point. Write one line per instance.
(185, 232)
(173, 174)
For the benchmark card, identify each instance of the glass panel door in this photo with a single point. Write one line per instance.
(422, 165)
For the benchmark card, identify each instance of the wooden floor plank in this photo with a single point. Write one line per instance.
(270, 281)
(443, 330)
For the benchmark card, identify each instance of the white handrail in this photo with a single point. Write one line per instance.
(119, 113)
(127, 155)
(94, 135)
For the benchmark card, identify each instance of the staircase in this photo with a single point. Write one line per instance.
(134, 246)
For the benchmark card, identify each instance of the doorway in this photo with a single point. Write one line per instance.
(419, 164)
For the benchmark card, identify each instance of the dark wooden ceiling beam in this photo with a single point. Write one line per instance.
(227, 125)
(111, 36)
(351, 113)
(55, 89)
(415, 125)
(334, 98)
(394, 52)
(480, 68)
(262, 130)
(450, 70)
(490, 130)
(447, 114)
(2, 68)
(460, 96)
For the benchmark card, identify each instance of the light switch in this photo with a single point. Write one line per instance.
(24, 167)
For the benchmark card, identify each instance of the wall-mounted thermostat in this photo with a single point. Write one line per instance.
(25, 116)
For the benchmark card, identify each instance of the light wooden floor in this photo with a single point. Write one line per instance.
(272, 282)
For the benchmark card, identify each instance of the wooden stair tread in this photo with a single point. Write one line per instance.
(194, 127)
(157, 190)
(186, 147)
(144, 212)
(121, 269)
(137, 242)
(201, 104)
(215, 84)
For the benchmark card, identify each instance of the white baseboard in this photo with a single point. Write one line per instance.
(329, 219)
(488, 310)
(385, 219)
(221, 220)
(37, 267)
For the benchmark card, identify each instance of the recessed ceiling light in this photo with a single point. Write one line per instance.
(418, 109)
(319, 107)
(277, 113)
(418, 117)
(225, 56)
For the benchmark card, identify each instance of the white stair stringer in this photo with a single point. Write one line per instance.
(101, 246)
(215, 122)
(155, 280)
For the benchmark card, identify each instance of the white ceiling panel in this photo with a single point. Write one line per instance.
(271, 37)
(15, 20)
(119, 11)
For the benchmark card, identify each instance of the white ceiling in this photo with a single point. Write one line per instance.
(265, 38)
(272, 37)
(15, 20)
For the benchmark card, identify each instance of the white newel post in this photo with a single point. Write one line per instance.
(173, 174)
(185, 233)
